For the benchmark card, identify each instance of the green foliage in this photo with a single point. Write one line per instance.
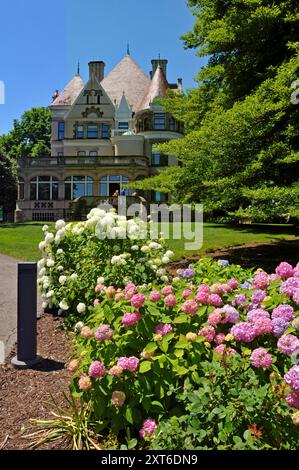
(242, 129)
(30, 136)
(234, 407)
(8, 184)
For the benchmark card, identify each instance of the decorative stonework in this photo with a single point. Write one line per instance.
(92, 110)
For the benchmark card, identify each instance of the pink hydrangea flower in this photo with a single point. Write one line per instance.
(110, 291)
(221, 348)
(148, 428)
(288, 287)
(186, 293)
(118, 398)
(116, 371)
(261, 280)
(163, 328)
(204, 288)
(233, 283)
(258, 296)
(231, 315)
(220, 338)
(97, 369)
(256, 313)
(215, 317)
(243, 332)
(292, 378)
(284, 269)
(273, 277)
(215, 300)
(216, 288)
(104, 333)
(288, 344)
(130, 319)
(131, 287)
(170, 301)
(96, 302)
(129, 293)
(128, 363)
(202, 297)
(118, 296)
(283, 311)
(84, 383)
(292, 399)
(167, 290)
(137, 300)
(295, 296)
(190, 307)
(155, 296)
(262, 326)
(99, 287)
(261, 358)
(239, 299)
(208, 332)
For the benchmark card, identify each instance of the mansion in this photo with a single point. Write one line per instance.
(103, 137)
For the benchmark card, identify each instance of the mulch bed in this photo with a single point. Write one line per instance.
(23, 393)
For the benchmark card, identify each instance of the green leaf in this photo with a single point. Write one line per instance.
(132, 444)
(181, 319)
(145, 366)
(129, 415)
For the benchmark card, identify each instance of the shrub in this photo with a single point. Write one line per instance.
(217, 333)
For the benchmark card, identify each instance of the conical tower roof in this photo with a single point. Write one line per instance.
(127, 77)
(156, 89)
(72, 90)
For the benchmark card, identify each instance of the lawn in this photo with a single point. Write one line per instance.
(21, 240)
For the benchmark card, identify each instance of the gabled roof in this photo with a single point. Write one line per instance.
(156, 89)
(127, 77)
(72, 90)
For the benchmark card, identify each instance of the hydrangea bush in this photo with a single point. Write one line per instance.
(213, 328)
(105, 249)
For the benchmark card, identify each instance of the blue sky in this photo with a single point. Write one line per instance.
(41, 42)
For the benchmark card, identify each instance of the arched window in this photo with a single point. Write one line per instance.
(77, 186)
(110, 184)
(44, 188)
(21, 194)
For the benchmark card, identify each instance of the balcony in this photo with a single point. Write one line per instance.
(75, 162)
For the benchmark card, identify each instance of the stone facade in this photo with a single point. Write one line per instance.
(103, 133)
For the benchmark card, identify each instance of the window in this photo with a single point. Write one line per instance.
(93, 153)
(159, 159)
(43, 216)
(77, 186)
(61, 128)
(123, 126)
(159, 197)
(105, 131)
(109, 184)
(21, 194)
(44, 188)
(92, 132)
(159, 121)
(82, 153)
(80, 132)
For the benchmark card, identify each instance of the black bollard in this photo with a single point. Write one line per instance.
(26, 322)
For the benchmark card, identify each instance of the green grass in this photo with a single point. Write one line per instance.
(21, 240)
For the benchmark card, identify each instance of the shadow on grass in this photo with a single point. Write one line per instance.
(258, 228)
(25, 224)
(266, 256)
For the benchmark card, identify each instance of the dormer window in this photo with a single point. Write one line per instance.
(92, 132)
(159, 121)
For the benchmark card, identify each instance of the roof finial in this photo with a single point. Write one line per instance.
(78, 68)
(128, 48)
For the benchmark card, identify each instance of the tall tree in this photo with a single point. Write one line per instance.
(241, 150)
(30, 136)
(8, 184)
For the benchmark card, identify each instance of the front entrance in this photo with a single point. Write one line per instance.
(110, 184)
(113, 187)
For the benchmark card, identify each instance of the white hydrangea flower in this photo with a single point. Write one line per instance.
(42, 272)
(164, 278)
(44, 305)
(175, 280)
(59, 251)
(59, 224)
(60, 268)
(64, 305)
(50, 263)
(154, 246)
(74, 277)
(42, 246)
(165, 260)
(49, 238)
(49, 294)
(45, 228)
(135, 248)
(41, 263)
(161, 272)
(78, 327)
(145, 249)
(81, 307)
(100, 280)
(169, 253)
(62, 279)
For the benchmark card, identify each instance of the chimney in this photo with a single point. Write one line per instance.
(163, 63)
(96, 69)
(180, 85)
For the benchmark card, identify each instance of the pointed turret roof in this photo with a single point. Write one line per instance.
(156, 89)
(72, 90)
(126, 77)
